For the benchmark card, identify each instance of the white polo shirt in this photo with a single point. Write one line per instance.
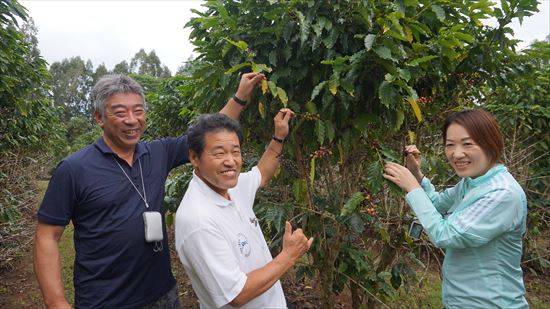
(220, 241)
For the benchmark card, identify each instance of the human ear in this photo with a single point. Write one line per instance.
(193, 158)
(98, 119)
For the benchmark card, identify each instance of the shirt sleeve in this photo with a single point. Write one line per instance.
(442, 201)
(218, 270)
(249, 183)
(177, 149)
(60, 198)
(487, 217)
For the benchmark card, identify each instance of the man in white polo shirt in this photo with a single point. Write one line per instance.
(218, 238)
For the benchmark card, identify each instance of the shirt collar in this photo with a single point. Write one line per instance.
(102, 146)
(474, 182)
(210, 194)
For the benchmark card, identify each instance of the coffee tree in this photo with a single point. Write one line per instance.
(365, 78)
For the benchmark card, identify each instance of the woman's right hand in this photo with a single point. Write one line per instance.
(412, 161)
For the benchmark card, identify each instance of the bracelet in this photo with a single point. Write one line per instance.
(239, 100)
(278, 140)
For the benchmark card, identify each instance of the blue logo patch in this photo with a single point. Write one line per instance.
(244, 245)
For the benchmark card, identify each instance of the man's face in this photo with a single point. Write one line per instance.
(124, 121)
(220, 163)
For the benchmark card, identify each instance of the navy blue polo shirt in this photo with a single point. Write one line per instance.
(114, 266)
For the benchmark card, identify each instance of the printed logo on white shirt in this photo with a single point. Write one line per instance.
(244, 245)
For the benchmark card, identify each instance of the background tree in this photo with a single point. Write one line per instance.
(99, 72)
(72, 81)
(122, 68)
(29, 126)
(148, 64)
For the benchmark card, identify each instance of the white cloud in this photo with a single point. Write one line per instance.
(112, 31)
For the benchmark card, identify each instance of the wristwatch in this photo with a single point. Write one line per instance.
(239, 100)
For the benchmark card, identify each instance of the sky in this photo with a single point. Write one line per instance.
(109, 32)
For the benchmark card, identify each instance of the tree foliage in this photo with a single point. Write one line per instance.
(72, 81)
(148, 64)
(27, 119)
(365, 78)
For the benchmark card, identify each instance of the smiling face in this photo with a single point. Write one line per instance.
(123, 122)
(466, 157)
(220, 163)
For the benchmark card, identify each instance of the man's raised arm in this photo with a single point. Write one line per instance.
(270, 159)
(237, 103)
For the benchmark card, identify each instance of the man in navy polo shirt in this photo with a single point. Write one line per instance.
(106, 189)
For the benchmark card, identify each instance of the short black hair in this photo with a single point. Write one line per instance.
(210, 123)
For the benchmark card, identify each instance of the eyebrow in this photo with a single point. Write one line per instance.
(121, 105)
(462, 139)
(222, 146)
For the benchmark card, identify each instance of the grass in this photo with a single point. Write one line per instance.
(425, 293)
(66, 250)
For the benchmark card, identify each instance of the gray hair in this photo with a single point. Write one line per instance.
(109, 85)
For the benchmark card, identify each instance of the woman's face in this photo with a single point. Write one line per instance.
(465, 156)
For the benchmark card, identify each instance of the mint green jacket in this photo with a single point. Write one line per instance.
(480, 223)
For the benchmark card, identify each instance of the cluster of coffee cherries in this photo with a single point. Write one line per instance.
(307, 116)
(322, 152)
(371, 210)
(425, 100)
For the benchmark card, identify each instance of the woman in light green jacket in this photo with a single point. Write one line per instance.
(479, 222)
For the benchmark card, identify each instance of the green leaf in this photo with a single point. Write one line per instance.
(352, 203)
(439, 12)
(320, 131)
(383, 52)
(331, 133)
(242, 45)
(304, 27)
(260, 68)
(336, 61)
(333, 84)
(416, 61)
(299, 190)
(238, 67)
(310, 107)
(374, 177)
(281, 93)
(387, 94)
(169, 219)
(404, 73)
(272, 88)
(348, 86)
(356, 223)
(400, 118)
(312, 171)
(464, 37)
(369, 41)
(317, 89)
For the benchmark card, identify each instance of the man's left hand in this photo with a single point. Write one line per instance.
(281, 121)
(247, 84)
